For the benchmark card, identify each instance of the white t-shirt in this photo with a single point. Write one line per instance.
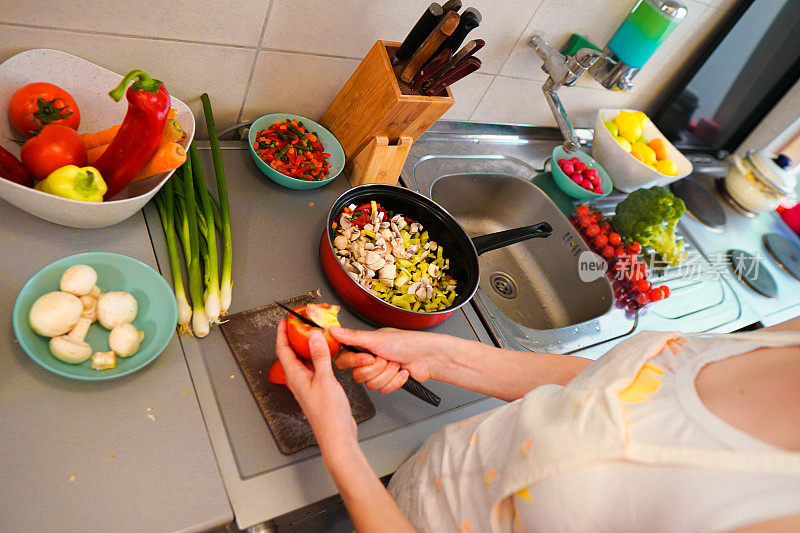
(626, 446)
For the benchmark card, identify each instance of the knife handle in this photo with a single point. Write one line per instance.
(421, 29)
(431, 68)
(443, 29)
(470, 19)
(451, 5)
(421, 391)
(467, 66)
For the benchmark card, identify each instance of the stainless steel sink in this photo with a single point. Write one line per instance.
(534, 283)
(530, 296)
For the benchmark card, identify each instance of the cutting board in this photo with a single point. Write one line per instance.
(251, 336)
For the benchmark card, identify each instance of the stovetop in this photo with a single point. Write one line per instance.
(730, 247)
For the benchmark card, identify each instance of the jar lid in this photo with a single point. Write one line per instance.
(773, 175)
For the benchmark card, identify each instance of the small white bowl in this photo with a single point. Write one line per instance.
(89, 84)
(627, 172)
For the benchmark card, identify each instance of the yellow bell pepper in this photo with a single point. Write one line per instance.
(76, 183)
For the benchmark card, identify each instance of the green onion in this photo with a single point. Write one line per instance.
(222, 190)
(200, 324)
(212, 303)
(166, 210)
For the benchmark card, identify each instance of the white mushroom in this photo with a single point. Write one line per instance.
(433, 270)
(368, 227)
(104, 360)
(374, 261)
(78, 280)
(433, 246)
(124, 340)
(415, 227)
(89, 307)
(115, 308)
(71, 348)
(340, 242)
(95, 292)
(344, 221)
(387, 273)
(55, 313)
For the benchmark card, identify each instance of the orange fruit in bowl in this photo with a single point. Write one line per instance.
(638, 156)
(659, 147)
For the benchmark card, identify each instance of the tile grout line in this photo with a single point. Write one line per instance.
(480, 100)
(255, 60)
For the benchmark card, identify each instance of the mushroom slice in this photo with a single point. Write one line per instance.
(340, 242)
(387, 273)
(433, 270)
(104, 360)
(344, 221)
(374, 261)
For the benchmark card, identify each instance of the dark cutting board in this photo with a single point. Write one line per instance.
(251, 336)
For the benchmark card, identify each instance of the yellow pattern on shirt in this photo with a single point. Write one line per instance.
(643, 385)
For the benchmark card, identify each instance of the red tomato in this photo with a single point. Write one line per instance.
(54, 147)
(592, 230)
(276, 374)
(581, 209)
(656, 294)
(38, 104)
(614, 239)
(665, 291)
(323, 314)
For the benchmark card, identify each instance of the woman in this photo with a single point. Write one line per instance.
(664, 432)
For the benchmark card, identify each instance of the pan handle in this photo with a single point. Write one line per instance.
(493, 241)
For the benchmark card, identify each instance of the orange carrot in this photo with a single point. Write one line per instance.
(99, 138)
(173, 132)
(172, 113)
(168, 156)
(95, 153)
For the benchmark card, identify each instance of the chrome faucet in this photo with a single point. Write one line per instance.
(563, 70)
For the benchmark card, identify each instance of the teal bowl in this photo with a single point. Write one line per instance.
(570, 187)
(329, 142)
(157, 313)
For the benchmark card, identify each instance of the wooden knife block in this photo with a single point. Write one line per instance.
(378, 162)
(373, 103)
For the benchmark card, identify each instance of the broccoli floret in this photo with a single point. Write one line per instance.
(649, 216)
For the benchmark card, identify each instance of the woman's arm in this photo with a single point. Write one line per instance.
(325, 404)
(504, 374)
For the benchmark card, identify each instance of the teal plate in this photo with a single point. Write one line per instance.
(157, 315)
(329, 143)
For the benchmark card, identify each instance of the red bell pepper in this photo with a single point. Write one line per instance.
(140, 133)
(11, 169)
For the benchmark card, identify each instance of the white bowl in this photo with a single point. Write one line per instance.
(89, 84)
(627, 172)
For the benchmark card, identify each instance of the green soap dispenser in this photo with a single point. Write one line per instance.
(639, 35)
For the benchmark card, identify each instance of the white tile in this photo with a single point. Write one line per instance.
(228, 22)
(467, 92)
(187, 69)
(555, 21)
(348, 28)
(295, 83)
(519, 101)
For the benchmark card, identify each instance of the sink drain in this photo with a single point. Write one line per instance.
(503, 284)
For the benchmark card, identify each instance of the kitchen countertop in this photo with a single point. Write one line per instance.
(128, 453)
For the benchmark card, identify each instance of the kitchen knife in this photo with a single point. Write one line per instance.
(466, 51)
(411, 385)
(470, 19)
(431, 68)
(421, 29)
(451, 5)
(443, 29)
(471, 64)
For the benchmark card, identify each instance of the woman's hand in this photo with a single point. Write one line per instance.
(318, 392)
(399, 354)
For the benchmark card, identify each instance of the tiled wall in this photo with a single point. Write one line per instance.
(260, 56)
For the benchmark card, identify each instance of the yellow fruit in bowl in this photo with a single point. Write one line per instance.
(628, 125)
(612, 127)
(624, 143)
(643, 119)
(648, 154)
(638, 156)
(667, 167)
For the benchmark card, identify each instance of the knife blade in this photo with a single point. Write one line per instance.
(468, 50)
(411, 385)
(431, 68)
(467, 66)
(421, 29)
(443, 29)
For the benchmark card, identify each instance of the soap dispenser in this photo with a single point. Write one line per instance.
(639, 35)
